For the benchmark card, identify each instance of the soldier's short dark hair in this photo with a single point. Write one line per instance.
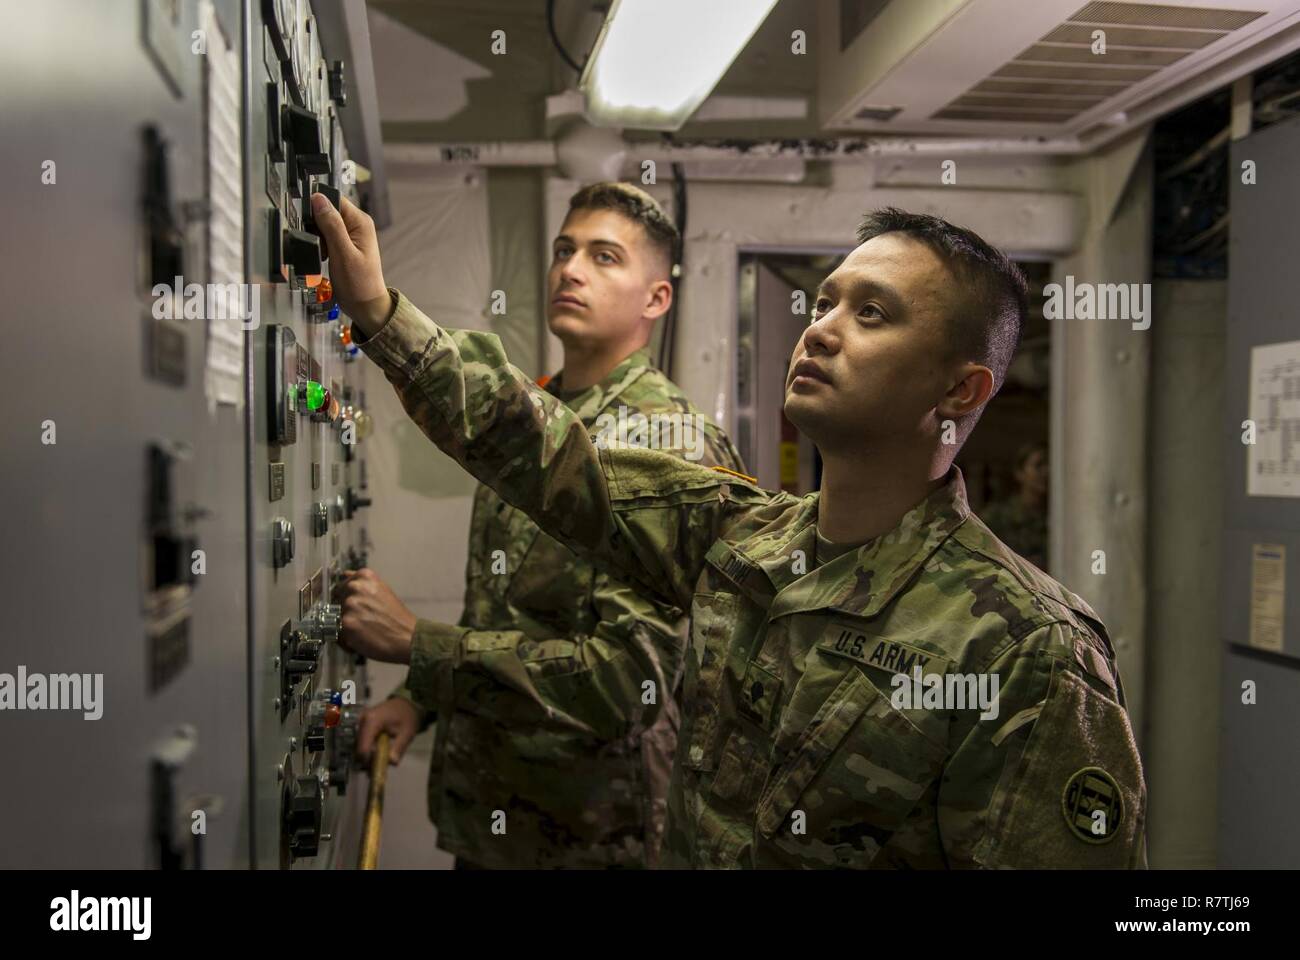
(997, 301)
(639, 207)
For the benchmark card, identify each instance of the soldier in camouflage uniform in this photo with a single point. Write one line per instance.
(543, 712)
(798, 747)
(1020, 520)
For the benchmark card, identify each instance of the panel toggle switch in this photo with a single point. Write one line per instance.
(301, 129)
(355, 502)
(281, 542)
(303, 812)
(301, 250)
(338, 84)
(274, 127)
(320, 519)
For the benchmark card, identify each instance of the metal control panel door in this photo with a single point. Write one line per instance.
(123, 469)
(1260, 602)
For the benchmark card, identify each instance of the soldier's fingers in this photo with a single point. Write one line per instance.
(330, 223)
(352, 612)
(358, 223)
(402, 737)
(348, 589)
(366, 734)
(347, 632)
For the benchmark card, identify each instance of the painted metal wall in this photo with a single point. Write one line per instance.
(78, 89)
(1260, 752)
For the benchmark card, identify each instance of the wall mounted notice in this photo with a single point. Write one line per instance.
(1267, 595)
(1273, 460)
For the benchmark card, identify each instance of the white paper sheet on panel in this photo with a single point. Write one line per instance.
(1273, 460)
(231, 306)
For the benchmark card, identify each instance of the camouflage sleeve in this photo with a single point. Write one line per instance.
(608, 684)
(646, 517)
(427, 716)
(1054, 779)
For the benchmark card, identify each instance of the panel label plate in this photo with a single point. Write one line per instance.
(277, 480)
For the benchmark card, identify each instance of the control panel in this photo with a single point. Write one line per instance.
(310, 423)
(193, 484)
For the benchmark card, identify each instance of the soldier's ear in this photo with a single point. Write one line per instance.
(659, 299)
(970, 390)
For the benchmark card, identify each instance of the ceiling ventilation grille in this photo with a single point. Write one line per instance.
(1060, 77)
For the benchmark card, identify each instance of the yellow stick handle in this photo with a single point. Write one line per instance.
(374, 805)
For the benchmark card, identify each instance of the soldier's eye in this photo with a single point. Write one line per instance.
(872, 311)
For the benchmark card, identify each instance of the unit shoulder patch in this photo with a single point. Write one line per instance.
(1093, 805)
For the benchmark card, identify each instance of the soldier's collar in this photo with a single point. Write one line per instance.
(860, 582)
(590, 403)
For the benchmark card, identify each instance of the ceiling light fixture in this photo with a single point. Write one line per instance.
(656, 60)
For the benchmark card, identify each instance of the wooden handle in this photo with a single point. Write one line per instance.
(374, 805)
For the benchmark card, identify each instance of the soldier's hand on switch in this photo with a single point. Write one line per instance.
(355, 271)
(375, 623)
(396, 716)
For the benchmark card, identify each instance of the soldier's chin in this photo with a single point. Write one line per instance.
(807, 413)
(564, 324)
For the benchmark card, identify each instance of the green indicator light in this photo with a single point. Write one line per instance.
(315, 395)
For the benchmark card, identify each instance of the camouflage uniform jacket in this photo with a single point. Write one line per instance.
(794, 750)
(1020, 527)
(587, 785)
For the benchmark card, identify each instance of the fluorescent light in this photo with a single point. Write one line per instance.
(656, 60)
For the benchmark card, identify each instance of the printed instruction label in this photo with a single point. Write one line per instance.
(1273, 460)
(1267, 595)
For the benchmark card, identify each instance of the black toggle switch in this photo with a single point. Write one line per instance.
(355, 502)
(291, 169)
(172, 546)
(314, 163)
(309, 219)
(303, 815)
(276, 261)
(302, 252)
(302, 129)
(332, 195)
(274, 130)
(338, 85)
(166, 237)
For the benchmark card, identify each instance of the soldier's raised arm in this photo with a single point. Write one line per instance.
(646, 517)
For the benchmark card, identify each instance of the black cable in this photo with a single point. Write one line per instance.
(670, 322)
(679, 204)
(555, 37)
